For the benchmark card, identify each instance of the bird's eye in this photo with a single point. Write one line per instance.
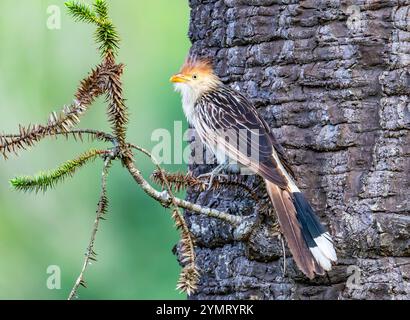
(194, 77)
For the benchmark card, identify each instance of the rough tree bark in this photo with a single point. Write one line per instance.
(332, 80)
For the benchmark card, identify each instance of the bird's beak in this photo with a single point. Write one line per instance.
(178, 78)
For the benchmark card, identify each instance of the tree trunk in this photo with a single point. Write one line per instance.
(332, 80)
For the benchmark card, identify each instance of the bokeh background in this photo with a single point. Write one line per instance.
(39, 72)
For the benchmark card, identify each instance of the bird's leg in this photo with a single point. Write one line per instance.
(115, 151)
(223, 167)
(216, 171)
(231, 168)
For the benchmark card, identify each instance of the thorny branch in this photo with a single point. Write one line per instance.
(90, 255)
(106, 79)
(189, 275)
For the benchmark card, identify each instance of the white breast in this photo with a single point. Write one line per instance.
(189, 99)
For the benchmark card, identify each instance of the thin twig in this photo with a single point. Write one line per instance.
(101, 210)
(77, 133)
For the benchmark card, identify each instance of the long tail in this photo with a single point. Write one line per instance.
(310, 244)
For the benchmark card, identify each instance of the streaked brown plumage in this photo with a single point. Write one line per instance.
(224, 119)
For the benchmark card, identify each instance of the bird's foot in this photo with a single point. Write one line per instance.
(215, 172)
(221, 168)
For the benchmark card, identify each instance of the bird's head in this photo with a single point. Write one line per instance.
(195, 78)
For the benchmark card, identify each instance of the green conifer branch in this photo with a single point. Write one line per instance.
(47, 180)
(81, 12)
(101, 9)
(106, 34)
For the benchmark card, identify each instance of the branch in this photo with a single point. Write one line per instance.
(180, 181)
(90, 255)
(106, 34)
(90, 88)
(189, 277)
(78, 134)
(166, 200)
(81, 12)
(92, 135)
(117, 110)
(46, 180)
(101, 9)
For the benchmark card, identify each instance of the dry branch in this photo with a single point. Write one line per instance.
(90, 254)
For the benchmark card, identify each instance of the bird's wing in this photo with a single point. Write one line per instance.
(279, 150)
(225, 110)
(229, 121)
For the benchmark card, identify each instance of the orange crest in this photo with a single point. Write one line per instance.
(193, 64)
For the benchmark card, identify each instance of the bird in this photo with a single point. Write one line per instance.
(211, 108)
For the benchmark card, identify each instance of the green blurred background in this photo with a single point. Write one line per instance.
(39, 72)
